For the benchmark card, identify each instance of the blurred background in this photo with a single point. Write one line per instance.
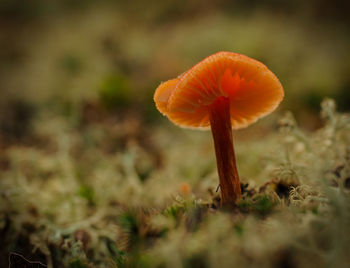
(81, 139)
(74, 55)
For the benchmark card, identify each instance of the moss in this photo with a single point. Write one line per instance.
(72, 63)
(115, 92)
(263, 205)
(175, 211)
(260, 204)
(239, 229)
(244, 205)
(196, 261)
(129, 223)
(77, 264)
(117, 255)
(88, 207)
(87, 193)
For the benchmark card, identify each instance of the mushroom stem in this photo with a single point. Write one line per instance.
(220, 121)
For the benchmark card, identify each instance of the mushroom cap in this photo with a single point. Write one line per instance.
(252, 89)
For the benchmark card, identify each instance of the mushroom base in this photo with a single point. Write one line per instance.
(219, 116)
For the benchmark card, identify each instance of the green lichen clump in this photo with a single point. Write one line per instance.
(76, 195)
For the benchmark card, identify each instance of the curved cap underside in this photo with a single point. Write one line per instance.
(253, 91)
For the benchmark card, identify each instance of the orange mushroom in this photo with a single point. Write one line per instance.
(225, 90)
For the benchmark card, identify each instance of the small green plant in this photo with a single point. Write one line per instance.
(115, 92)
(87, 193)
(260, 204)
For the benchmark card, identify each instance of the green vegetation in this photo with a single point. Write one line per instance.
(91, 175)
(295, 210)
